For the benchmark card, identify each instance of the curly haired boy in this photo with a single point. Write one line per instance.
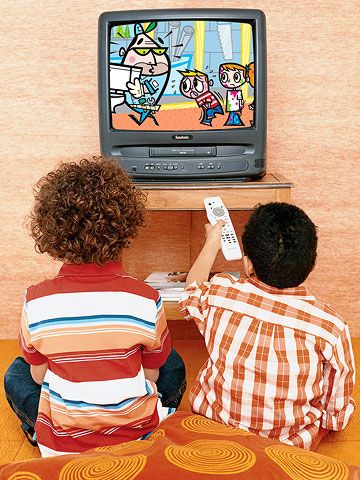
(95, 343)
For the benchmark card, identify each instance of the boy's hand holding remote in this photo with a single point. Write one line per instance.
(217, 238)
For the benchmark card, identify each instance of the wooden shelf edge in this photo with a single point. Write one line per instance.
(270, 180)
(171, 311)
(236, 195)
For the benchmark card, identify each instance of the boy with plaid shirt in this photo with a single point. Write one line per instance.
(280, 362)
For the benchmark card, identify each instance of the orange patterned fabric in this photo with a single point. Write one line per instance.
(189, 447)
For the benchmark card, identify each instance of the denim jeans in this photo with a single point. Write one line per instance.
(210, 113)
(234, 118)
(23, 393)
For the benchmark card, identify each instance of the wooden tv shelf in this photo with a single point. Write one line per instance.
(175, 229)
(236, 195)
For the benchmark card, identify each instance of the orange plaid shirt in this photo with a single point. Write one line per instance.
(280, 362)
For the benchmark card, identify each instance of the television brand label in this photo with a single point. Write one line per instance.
(182, 137)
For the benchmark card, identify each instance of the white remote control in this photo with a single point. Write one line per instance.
(216, 210)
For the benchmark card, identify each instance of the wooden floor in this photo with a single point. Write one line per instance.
(343, 446)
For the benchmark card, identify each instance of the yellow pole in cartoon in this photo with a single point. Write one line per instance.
(246, 34)
(199, 40)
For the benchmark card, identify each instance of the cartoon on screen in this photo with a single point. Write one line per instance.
(232, 77)
(182, 75)
(142, 76)
(197, 85)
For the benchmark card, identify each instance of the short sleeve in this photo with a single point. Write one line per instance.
(156, 352)
(28, 351)
(339, 379)
(194, 304)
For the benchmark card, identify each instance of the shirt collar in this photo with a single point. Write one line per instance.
(298, 291)
(90, 269)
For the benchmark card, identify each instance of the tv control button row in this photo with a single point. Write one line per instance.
(171, 166)
(209, 166)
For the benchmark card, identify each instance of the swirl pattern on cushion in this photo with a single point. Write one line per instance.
(157, 434)
(24, 476)
(300, 464)
(134, 446)
(213, 457)
(196, 423)
(103, 468)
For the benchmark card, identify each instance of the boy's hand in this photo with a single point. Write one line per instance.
(213, 234)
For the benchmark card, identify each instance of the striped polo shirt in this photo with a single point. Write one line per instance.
(280, 362)
(209, 98)
(97, 328)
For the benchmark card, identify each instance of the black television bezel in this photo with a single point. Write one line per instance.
(256, 135)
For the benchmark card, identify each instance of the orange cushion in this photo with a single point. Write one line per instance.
(187, 446)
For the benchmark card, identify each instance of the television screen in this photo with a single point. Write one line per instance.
(181, 75)
(182, 93)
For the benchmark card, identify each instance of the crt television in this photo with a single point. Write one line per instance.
(182, 93)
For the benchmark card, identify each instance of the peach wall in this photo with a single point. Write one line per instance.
(48, 88)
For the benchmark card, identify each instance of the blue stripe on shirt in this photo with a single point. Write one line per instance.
(95, 319)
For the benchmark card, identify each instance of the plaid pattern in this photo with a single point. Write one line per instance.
(280, 362)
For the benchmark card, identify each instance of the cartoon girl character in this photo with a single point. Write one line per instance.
(232, 77)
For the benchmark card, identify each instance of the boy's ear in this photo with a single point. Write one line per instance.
(248, 266)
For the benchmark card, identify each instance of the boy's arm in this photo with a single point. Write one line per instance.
(201, 268)
(28, 351)
(339, 379)
(38, 372)
(157, 348)
(194, 299)
(151, 374)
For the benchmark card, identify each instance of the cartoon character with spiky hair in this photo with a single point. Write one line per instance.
(147, 68)
(196, 85)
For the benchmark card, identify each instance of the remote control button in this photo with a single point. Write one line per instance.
(218, 211)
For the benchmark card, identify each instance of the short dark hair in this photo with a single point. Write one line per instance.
(280, 240)
(86, 212)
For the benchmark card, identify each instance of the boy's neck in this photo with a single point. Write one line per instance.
(297, 290)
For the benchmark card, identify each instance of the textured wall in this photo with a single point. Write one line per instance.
(48, 113)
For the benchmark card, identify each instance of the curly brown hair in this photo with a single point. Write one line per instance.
(86, 212)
